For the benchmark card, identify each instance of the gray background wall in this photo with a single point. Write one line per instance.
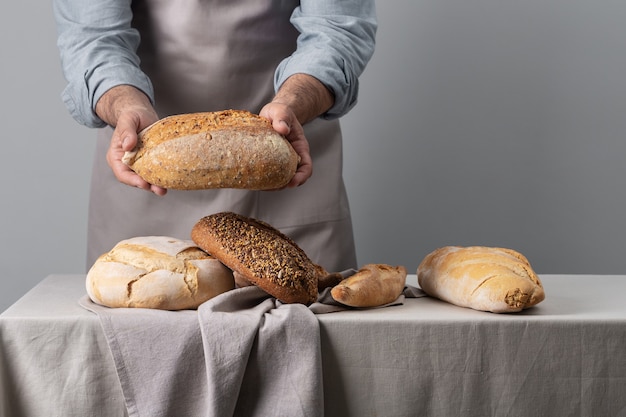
(480, 122)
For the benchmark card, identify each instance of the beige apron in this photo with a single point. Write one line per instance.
(207, 55)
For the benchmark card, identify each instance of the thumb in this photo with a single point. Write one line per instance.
(126, 129)
(281, 126)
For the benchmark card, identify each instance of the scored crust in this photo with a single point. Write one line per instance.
(225, 149)
(493, 279)
(156, 272)
(260, 253)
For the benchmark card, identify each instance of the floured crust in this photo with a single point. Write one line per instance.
(492, 279)
(371, 286)
(157, 272)
(261, 254)
(226, 149)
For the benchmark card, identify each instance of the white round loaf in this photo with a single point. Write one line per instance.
(157, 272)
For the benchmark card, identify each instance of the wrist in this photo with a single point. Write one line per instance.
(119, 99)
(306, 96)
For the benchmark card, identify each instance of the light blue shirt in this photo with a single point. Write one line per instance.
(98, 50)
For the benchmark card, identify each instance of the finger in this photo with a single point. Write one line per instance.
(281, 126)
(160, 191)
(297, 180)
(127, 176)
(279, 116)
(126, 130)
(303, 171)
(129, 142)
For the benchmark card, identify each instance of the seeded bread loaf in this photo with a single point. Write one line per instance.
(261, 254)
(499, 280)
(372, 285)
(226, 149)
(157, 272)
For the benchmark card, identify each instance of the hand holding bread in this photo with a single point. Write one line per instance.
(226, 149)
(129, 110)
(286, 122)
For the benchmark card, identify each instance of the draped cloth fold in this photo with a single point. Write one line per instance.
(268, 364)
(242, 353)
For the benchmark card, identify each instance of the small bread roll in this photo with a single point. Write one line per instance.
(157, 272)
(371, 286)
(260, 254)
(226, 149)
(491, 279)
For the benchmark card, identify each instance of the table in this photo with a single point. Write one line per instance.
(564, 357)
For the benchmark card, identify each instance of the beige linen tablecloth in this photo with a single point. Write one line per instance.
(243, 353)
(426, 358)
(239, 354)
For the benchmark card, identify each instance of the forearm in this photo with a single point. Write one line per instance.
(306, 96)
(97, 46)
(120, 99)
(336, 41)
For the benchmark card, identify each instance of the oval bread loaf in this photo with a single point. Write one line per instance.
(498, 280)
(373, 285)
(226, 149)
(261, 254)
(157, 272)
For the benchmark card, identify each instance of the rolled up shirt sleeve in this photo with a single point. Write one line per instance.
(336, 41)
(97, 47)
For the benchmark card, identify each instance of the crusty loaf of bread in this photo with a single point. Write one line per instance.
(261, 254)
(492, 279)
(157, 272)
(372, 285)
(226, 149)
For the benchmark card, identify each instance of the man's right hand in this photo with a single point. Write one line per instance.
(129, 111)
